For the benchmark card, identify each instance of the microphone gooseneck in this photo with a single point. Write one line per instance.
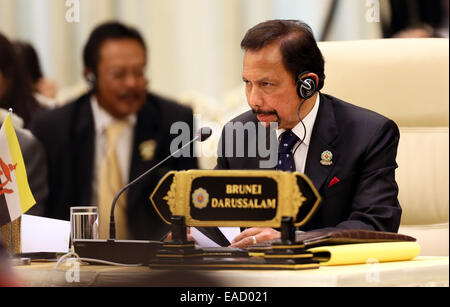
(201, 136)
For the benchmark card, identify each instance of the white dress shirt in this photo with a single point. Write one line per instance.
(124, 144)
(301, 150)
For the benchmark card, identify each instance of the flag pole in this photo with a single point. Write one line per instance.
(11, 238)
(11, 228)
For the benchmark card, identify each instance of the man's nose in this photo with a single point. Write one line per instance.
(131, 80)
(254, 98)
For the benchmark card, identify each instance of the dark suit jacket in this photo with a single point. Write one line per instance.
(68, 135)
(364, 147)
(33, 154)
(36, 166)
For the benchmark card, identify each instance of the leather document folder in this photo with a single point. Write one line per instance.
(348, 236)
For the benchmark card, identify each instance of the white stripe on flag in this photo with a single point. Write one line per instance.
(13, 199)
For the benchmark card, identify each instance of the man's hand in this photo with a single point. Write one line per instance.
(253, 236)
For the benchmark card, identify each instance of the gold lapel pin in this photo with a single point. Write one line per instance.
(147, 150)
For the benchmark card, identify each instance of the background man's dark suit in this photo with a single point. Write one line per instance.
(364, 147)
(36, 166)
(68, 135)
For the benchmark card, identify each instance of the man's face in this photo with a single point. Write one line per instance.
(270, 88)
(121, 82)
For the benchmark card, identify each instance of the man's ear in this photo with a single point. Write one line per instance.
(314, 76)
(7, 81)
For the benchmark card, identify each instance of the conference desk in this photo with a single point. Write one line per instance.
(422, 271)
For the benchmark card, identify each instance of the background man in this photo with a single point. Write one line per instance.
(110, 136)
(348, 152)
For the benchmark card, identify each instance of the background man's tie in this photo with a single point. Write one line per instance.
(285, 155)
(110, 183)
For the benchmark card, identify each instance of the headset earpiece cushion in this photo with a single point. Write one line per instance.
(304, 92)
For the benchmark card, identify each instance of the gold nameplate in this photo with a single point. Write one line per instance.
(236, 197)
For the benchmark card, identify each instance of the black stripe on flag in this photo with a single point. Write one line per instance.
(5, 217)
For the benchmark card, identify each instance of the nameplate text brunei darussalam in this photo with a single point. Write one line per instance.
(236, 197)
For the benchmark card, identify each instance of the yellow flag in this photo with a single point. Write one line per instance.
(15, 194)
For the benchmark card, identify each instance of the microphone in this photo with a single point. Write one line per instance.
(202, 135)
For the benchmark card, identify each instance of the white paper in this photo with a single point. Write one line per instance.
(203, 241)
(40, 234)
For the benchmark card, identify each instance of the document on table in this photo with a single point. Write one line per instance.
(40, 234)
(203, 241)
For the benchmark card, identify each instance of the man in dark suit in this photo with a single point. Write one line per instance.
(77, 137)
(348, 152)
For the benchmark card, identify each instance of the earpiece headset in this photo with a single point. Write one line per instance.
(91, 79)
(306, 86)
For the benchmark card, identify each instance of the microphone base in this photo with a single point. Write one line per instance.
(118, 251)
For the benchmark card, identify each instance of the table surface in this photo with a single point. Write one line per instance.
(422, 271)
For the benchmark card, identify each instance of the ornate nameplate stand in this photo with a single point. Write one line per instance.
(235, 198)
